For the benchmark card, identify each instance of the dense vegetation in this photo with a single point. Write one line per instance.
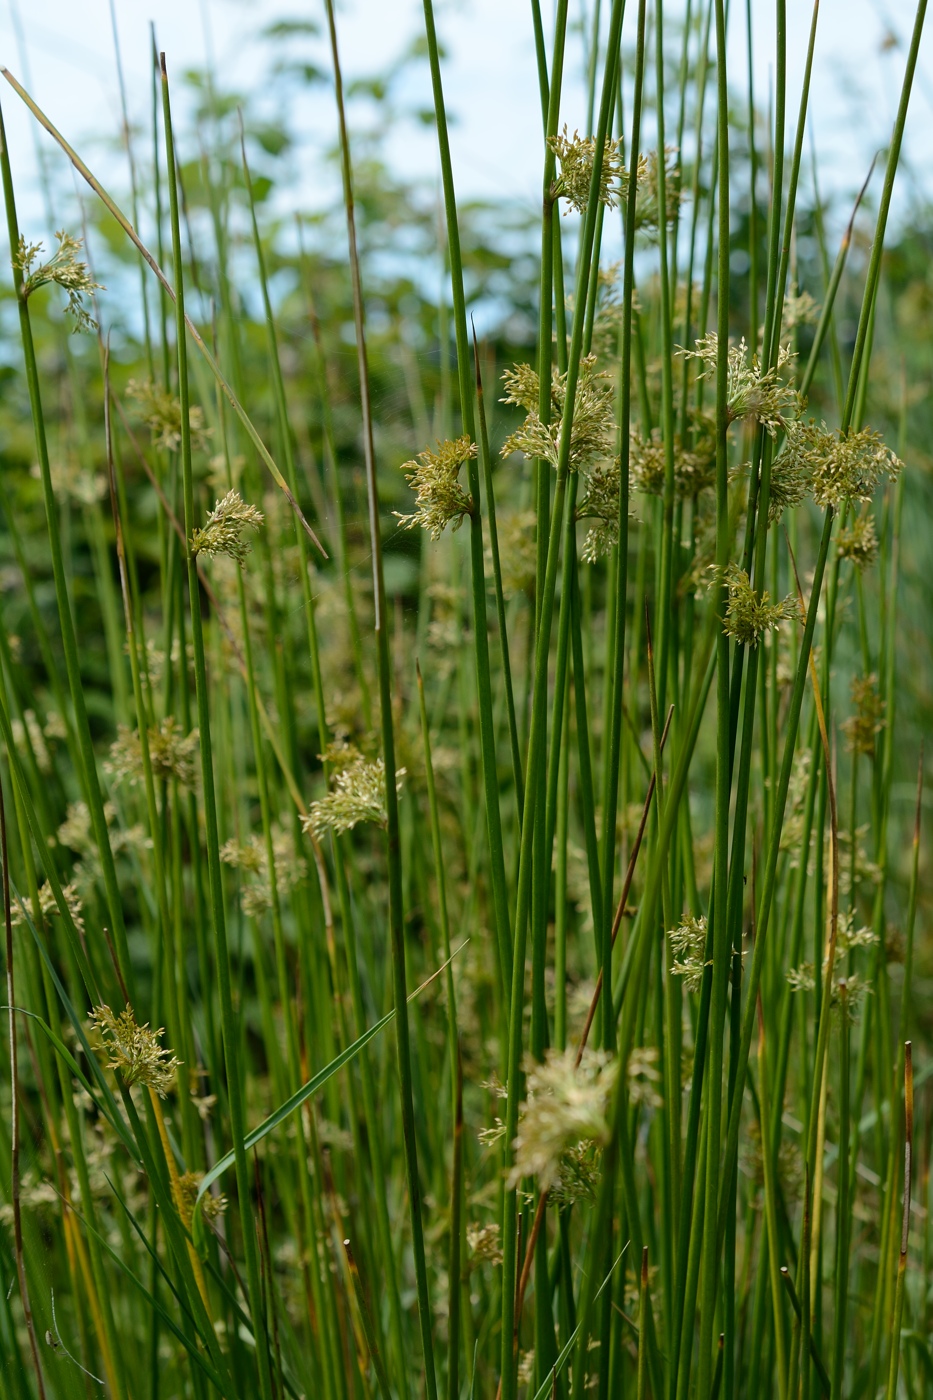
(467, 924)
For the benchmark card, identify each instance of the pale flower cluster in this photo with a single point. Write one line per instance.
(48, 905)
(435, 479)
(72, 482)
(647, 201)
(211, 1206)
(600, 504)
(161, 413)
(763, 395)
(867, 720)
(838, 467)
(358, 794)
(858, 542)
(65, 269)
(224, 530)
(135, 1050)
(748, 613)
(485, 1246)
(593, 430)
(28, 733)
(693, 470)
(688, 945)
(171, 754)
(576, 155)
(565, 1105)
(251, 857)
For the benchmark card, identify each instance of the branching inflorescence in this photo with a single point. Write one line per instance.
(65, 269)
(358, 793)
(135, 1051)
(751, 392)
(837, 467)
(434, 477)
(224, 530)
(750, 614)
(593, 431)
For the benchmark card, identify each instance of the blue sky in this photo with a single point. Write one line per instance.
(489, 76)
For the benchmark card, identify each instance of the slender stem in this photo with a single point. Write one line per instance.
(384, 667)
(230, 1033)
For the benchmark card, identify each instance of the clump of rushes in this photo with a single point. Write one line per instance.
(593, 430)
(135, 1051)
(764, 395)
(65, 269)
(172, 753)
(575, 154)
(161, 412)
(225, 529)
(565, 1106)
(594, 877)
(358, 794)
(749, 614)
(434, 477)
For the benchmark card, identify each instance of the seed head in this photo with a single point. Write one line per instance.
(799, 310)
(171, 754)
(577, 1175)
(839, 467)
(764, 396)
(802, 978)
(593, 432)
(849, 937)
(749, 614)
(647, 202)
(484, 1245)
(858, 542)
(867, 719)
(600, 504)
(693, 471)
(517, 555)
(358, 795)
(28, 734)
(162, 415)
(73, 482)
(48, 905)
(688, 945)
(252, 858)
(224, 529)
(65, 269)
(848, 996)
(439, 497)
(565, 1106)
(576, 154)
(643, 1076)
(135, 1050)
(211, 1206)
(790, 481)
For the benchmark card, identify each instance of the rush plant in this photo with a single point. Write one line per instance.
(487, 760)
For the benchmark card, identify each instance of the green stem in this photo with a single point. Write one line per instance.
(384, 667)
(230, 1032)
